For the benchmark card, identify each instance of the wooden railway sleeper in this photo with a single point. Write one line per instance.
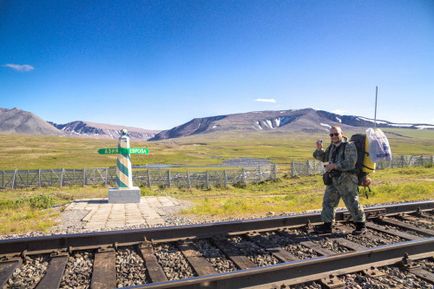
(423, 274)
(197, 261)
(396, 223)
(104, 269)
(410, 266)
(233, 253)
(317, 248)
(417, 219)
(154, 270)
(7, 267)
(273, 249)
(54, 273)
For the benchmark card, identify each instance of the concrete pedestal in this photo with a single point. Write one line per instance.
(124, 196)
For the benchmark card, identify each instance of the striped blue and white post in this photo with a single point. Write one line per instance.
(124, 175)
(125, 191)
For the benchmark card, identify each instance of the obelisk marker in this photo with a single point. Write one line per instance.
(125, 192)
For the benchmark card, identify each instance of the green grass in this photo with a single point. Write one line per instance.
(305, 193)
(43, 152)
(32, 209)
(26, 220)
(26, 210)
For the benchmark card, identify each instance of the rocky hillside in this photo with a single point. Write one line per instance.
(92, 129)
(306, 120)
(23, 122)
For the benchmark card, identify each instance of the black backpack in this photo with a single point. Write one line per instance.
(359, 142)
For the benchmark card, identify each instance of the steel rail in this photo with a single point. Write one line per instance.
(47, 244)
(296, 272)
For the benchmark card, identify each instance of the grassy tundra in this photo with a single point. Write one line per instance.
(35, 206)
(33, 152)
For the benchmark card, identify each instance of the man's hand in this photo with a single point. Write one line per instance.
(319, 144)
(330, 167)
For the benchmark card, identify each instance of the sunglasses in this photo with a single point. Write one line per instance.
(334, 134)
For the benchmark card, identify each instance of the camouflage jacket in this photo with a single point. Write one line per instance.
(345, 159)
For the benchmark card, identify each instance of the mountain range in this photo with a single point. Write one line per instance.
(304, 120)
(23, 122)
(19, 121)
(92, 129)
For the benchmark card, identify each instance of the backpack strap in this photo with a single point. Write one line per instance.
(344, 145)
(335, 152)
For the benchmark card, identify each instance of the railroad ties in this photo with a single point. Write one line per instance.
(278, 252)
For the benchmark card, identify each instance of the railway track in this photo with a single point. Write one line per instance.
(277, 252)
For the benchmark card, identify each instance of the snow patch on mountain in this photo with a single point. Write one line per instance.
(424, 126)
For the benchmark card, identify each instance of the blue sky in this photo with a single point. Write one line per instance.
(158, 64)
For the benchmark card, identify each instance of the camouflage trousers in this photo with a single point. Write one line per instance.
(344, 187)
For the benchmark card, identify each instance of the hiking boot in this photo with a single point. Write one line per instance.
(360, 228)
(325, 228)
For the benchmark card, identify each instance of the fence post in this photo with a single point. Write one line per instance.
(106, 177)
(292, 173)
(188, 180)
(61, 177)
(274, 172)
(39, 178)
(84, 177)
(258, 174)
(225, 179)
(432, 160)
(3, 179)
(243, 177)
(13, 178)
(206, 180)
(169, 183)
(402, 161)
(148, 178)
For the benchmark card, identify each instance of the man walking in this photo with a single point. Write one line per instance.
(341, 157)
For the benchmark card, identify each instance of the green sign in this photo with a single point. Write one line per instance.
(115, 151)
(140, 151)
(108, 151)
